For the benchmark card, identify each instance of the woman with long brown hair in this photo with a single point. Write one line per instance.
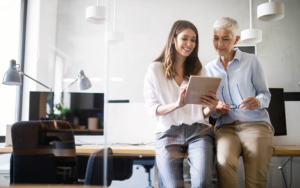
(181, 127)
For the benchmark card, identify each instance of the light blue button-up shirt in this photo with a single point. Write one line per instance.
(243, 78)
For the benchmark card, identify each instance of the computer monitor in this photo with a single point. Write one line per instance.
(248, 48)
(84, 111)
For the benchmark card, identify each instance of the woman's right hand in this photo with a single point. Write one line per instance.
(179, 102)
(222, 108)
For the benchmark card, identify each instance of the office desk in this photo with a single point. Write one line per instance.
(126, 150)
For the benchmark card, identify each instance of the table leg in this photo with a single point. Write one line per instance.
(281, 169)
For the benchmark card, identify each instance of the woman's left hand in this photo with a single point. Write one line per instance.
(210, 101)
(250, 103)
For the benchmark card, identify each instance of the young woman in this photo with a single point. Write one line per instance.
(243, 125)
(181, 128)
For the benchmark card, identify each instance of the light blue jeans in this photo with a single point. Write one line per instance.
(197, 141)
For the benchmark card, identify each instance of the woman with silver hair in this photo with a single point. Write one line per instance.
(243, 126)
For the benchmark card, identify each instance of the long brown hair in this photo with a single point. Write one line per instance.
(192, 64)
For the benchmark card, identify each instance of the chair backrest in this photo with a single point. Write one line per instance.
(95, 168)
(24, 135)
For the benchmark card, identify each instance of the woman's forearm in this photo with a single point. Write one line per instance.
(206, 112)
(166, 109)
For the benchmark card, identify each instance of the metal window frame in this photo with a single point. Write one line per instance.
(22, 41)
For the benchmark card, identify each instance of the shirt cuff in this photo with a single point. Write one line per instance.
(262, 102)
(215, 115)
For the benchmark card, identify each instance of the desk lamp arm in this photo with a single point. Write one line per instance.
(71, 84)
(32, 78)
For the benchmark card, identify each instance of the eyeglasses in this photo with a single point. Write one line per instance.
(232, 106)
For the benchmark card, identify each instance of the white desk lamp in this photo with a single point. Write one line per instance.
(12, 75)
(83, 84)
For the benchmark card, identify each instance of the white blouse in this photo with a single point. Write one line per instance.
(160, 91)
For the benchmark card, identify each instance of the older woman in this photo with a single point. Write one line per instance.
(243, 126)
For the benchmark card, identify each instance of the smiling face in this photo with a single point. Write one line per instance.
(224, 42)
(185, 42)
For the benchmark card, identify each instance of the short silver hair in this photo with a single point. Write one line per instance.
(229, 24)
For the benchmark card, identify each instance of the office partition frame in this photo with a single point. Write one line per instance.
(21, 60)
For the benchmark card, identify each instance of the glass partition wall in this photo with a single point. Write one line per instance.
(115, 55)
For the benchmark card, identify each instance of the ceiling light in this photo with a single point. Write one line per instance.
(270, 11)
(251, 35)
(114, 37)
(95, 14)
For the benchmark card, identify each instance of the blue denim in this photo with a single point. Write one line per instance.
(197, 141)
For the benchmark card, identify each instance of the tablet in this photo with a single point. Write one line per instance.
(200, 85)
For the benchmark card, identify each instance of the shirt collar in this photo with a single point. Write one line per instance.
(237, 56)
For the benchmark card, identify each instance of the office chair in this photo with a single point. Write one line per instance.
(33, 159)
(69, 168)
(94, 171)
(33, 169)
(122, 168)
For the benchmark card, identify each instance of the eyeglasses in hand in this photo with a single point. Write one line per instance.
(232, 106)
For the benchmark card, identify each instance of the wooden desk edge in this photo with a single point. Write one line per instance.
(140, 150)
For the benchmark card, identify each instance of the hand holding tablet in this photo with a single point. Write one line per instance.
(199, 86)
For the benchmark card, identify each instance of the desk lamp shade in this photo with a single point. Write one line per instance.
(12, 76)
(270, 11)
(84, 83)
(95, 14)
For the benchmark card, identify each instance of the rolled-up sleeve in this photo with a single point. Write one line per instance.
(260, 83)
(150, 93)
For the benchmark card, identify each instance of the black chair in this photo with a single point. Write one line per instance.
(81, 162)
(69, 168)
(33, 169)
(95, 168)
(33, 160)
(122, 168)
